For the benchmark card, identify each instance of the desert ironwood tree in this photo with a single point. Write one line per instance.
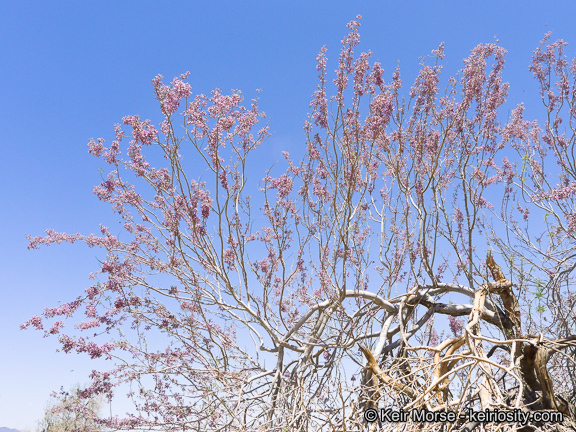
(419, 255)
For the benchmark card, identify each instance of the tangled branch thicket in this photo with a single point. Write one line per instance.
(420, 256)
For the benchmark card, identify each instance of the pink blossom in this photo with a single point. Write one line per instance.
(456, 325)
(229, 257)
(283, 184)
(96, 147)
(35, 322)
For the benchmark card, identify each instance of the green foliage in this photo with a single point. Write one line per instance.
(60, 417)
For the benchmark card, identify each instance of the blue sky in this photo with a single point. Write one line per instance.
(70, 70)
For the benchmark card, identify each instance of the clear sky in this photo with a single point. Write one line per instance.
(70, 70)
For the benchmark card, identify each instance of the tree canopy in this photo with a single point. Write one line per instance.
(420, 254)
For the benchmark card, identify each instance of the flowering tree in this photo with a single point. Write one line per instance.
(332, 290)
